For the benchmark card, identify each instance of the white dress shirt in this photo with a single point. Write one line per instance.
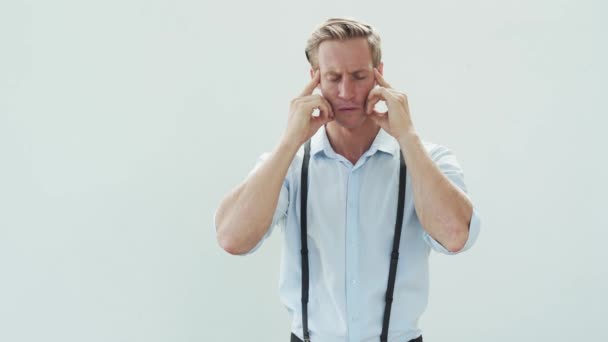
(351, 223)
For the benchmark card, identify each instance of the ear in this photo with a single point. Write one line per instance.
(312, 74)
(380, 70)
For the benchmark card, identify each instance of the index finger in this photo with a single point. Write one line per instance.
(380, 79)
(312, 85)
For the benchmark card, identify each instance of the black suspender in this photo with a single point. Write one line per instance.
(304, 240)
(395, 253)
(304, 245)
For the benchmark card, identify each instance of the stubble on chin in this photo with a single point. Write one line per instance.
(353, 122)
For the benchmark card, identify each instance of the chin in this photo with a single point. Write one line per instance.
(351, 121)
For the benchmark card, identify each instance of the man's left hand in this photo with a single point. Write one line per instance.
(396, 121)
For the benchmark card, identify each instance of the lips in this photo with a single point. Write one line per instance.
(348, 108)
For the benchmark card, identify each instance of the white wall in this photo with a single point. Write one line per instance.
(123, 123)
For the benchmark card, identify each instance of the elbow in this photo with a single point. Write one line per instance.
(224, 239)
(228, 244)
(458, 239)
(233, 250)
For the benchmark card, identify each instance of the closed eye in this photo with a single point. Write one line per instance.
(356, 78)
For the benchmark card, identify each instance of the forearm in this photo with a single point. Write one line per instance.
(443, 209)
(245, 214)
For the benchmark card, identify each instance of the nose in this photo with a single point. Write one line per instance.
(346, 89)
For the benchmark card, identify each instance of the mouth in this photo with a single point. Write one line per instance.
(347, 109)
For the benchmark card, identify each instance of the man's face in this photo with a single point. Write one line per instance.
(347, 77)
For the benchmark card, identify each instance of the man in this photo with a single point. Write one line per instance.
(375, 198)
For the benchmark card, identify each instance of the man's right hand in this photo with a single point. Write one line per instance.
(301, 124)
(246, 213)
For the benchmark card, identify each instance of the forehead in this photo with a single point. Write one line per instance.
(344, 55)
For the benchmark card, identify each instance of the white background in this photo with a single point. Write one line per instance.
(123, 123)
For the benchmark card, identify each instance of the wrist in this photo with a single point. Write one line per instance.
(408, 137)
(289, 145)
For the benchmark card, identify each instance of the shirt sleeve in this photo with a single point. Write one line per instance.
(280, 211)
(449, 166)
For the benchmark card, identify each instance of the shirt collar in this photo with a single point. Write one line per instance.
(383, 142)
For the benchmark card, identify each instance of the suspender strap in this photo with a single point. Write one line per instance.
(304, 244)
(395, 253)
(304, 240)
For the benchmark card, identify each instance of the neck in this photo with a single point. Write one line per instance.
(351, 142)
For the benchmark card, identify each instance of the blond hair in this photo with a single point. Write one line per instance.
(342, 29)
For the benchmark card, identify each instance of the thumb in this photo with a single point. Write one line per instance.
(378, 120)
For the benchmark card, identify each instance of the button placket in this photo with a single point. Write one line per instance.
(352, 253)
